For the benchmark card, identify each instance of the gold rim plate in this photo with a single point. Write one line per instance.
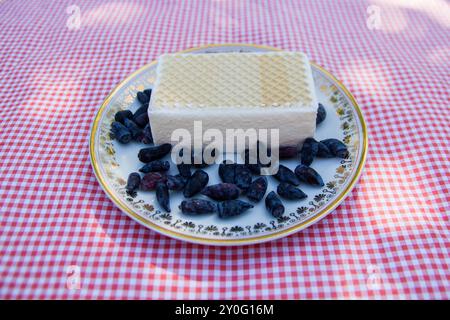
(325, 208)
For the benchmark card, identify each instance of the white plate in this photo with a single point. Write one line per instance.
(112, 162)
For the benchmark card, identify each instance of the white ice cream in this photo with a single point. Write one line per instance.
(234, 91)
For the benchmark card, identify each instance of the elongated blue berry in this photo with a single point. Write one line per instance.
(142, 97)
(148, 92)
(141, 110)
(222, 191)
(150, 180)
(288, 191)
(243, 177)
(154, 152)
(337, 147)
(147, 137)
(136, 132)
(155, 166)
(196, 183)
(133, 182)
(321, 114)
(323, 151)
(285, 174)
(176, 182)
(231, 208)
(162, 196)
(309, 175)
(257, 189)
(141, 120)
(274, 205)
(227, 171)
(121, 115)
(184, 169)
(309, 151)
(197, 207)
(120, 132)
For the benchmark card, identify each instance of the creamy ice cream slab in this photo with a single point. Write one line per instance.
(272, 90)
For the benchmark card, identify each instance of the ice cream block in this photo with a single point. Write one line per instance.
(264, 90)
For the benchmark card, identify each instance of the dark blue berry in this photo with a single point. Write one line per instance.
(287, 152)
(321, 114)
(136, 132)
(257, 189)
(309, 151)
(274, 205)
(120, 132)
(308, 175)
(323, 151)
(155, 166)
(140, 116)
(148, 92)
(162, 196)
(197, 206)
(243, 177)
(142, 97)
(176, 182)
(196, 183)
(133, 182)
(141, 120)
(121, 115)
(227, 171)
(142, 109)
(150, 180)
(222, 191)
(154, 152)
(288, 191)
(147, 137)
(255, 168)
(337, 147)
(231, 208)
(285, 174)
(184, 169)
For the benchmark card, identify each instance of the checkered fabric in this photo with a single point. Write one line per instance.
(388, 239)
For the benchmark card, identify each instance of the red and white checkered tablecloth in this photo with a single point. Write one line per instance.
(59, 59)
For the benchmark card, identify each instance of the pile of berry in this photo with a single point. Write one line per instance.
(237, 179)
(130, 126)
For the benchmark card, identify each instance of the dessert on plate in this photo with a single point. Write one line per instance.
(264, 90)
(228, 91)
